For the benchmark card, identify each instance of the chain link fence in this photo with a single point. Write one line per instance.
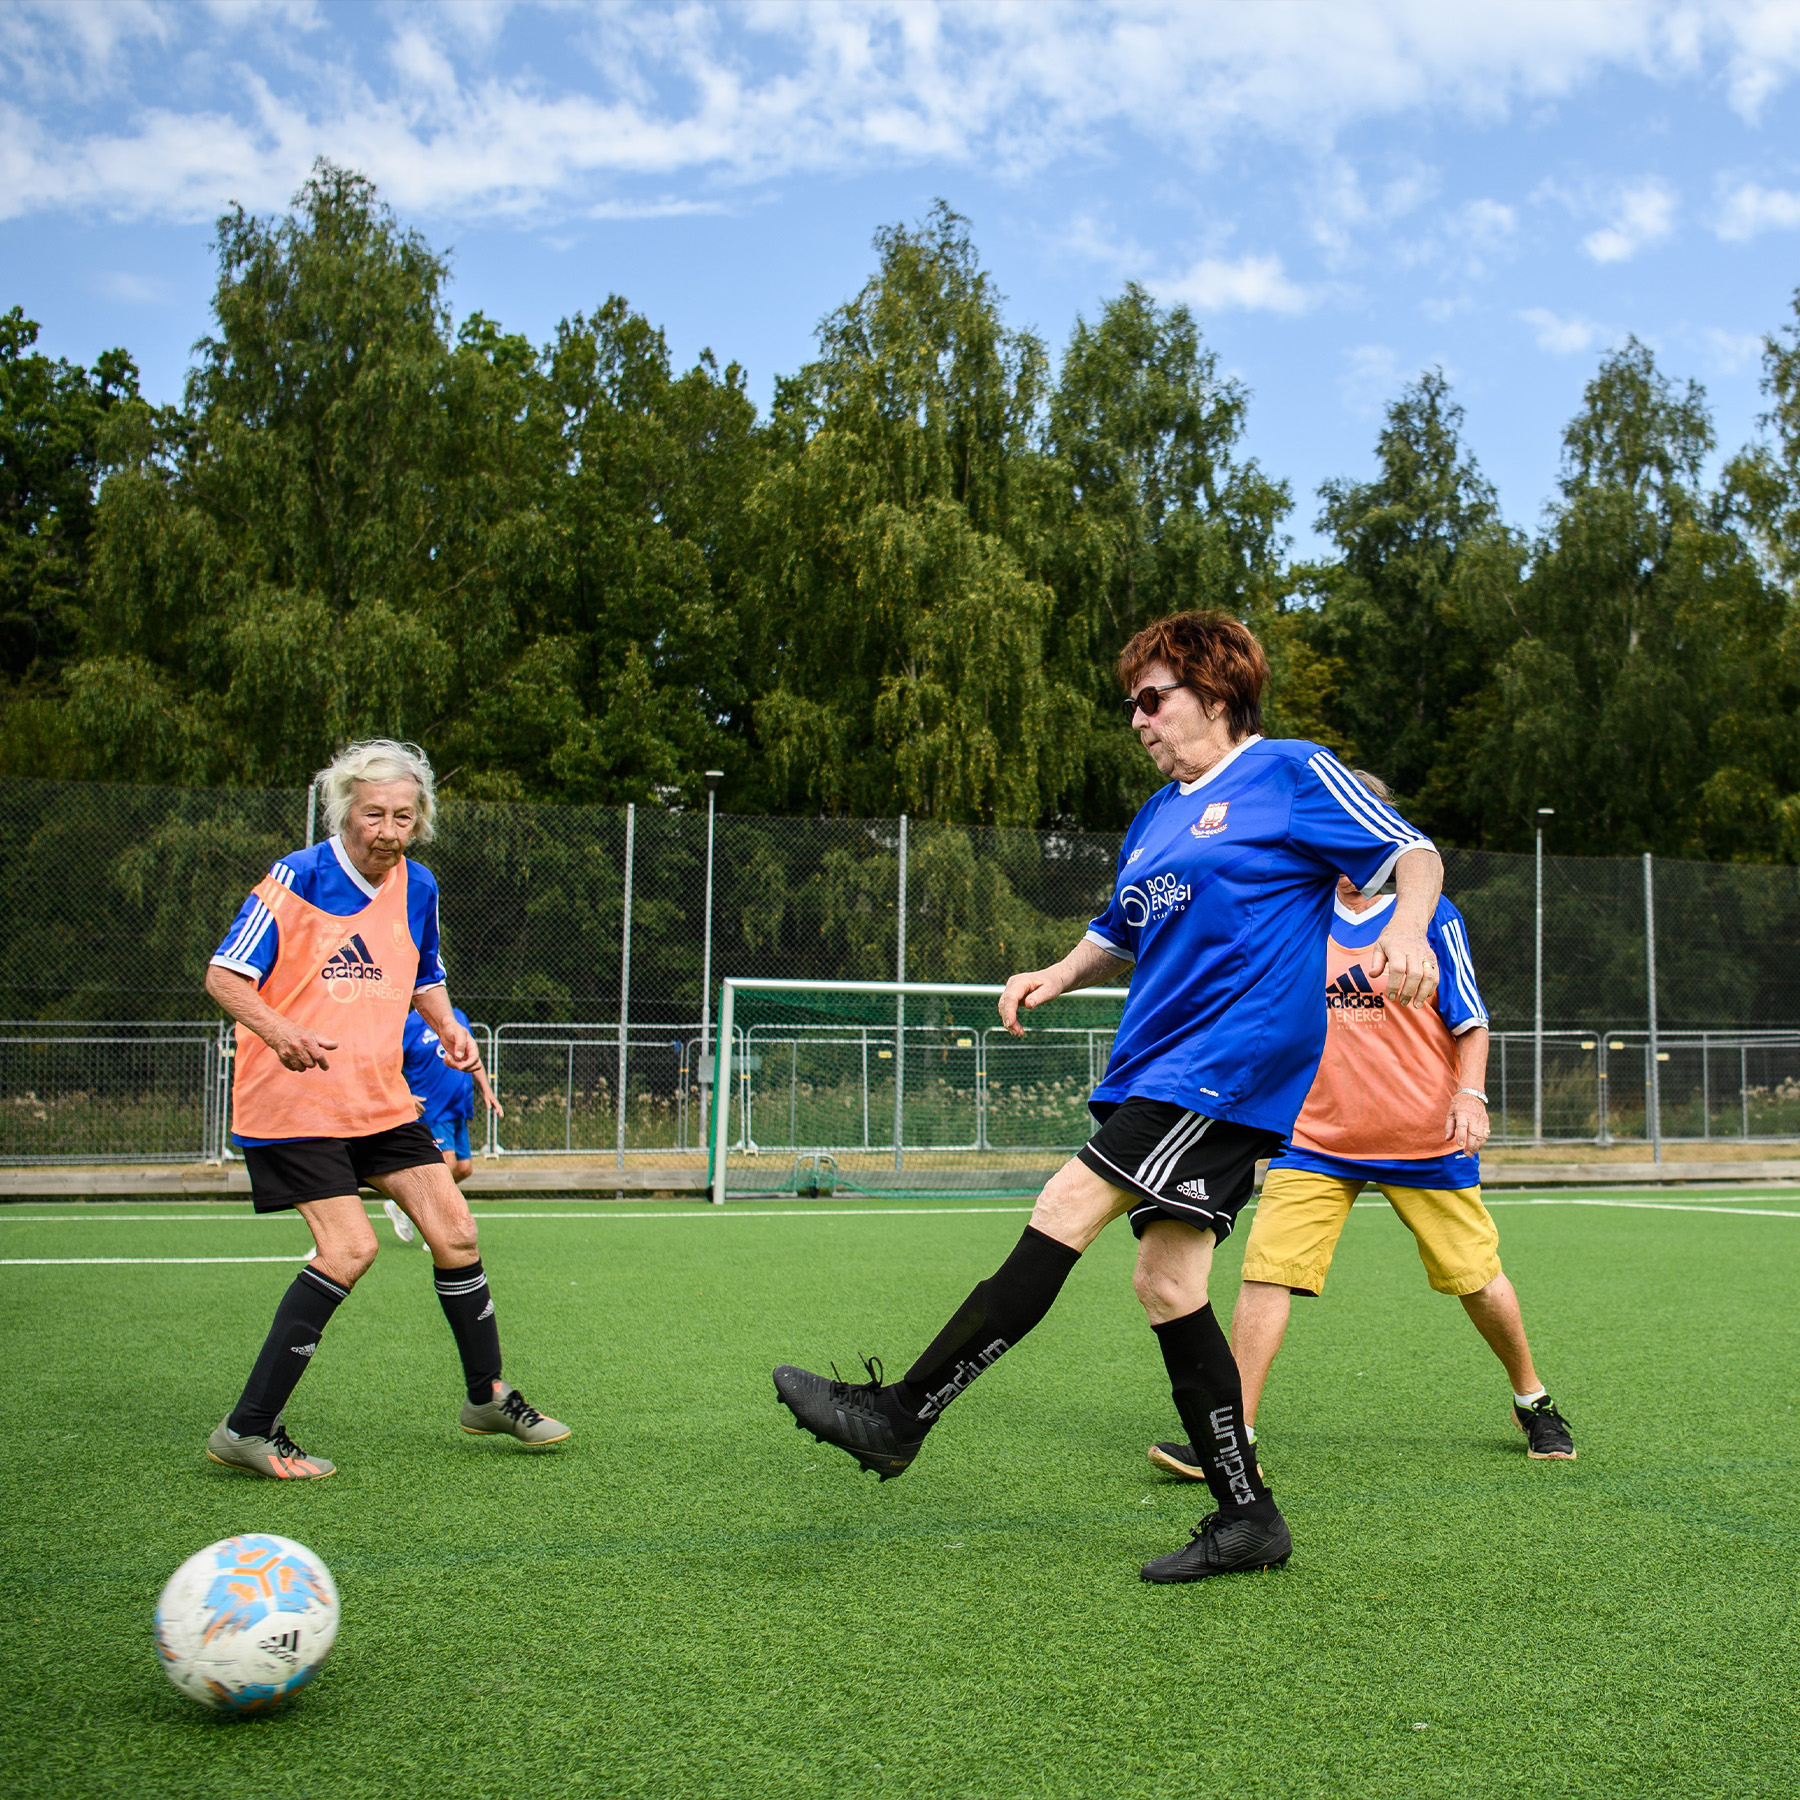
(112, 898)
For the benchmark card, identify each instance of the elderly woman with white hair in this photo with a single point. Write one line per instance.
(320, 969)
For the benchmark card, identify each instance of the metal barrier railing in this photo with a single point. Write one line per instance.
(158, 1091)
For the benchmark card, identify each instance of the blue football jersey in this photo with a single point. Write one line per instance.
(324, 876)
(1222, 900)
(448, 1093)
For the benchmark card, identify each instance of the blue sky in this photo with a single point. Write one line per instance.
(1343, 193)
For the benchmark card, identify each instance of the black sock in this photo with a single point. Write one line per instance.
(993, 1318)
(1209, 1395)
(300, 1319)
(467, 1304)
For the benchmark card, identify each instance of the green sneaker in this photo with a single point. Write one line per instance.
(276, 1455)
(509, 1414)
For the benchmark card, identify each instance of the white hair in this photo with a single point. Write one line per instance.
(378, 759)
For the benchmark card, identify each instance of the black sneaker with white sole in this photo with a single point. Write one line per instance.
(1547, 1434)
(1227, 1544)
(850, 1416)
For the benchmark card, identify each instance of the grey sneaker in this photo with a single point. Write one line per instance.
(403, 1226)
(276, 1455)
(509, 1414)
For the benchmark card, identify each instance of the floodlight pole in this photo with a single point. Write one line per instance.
(713, 778)
(900, 1014)
(1653, 1087)
(1537, 991)
(625, 971)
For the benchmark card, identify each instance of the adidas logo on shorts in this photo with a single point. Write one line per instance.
(1194, 1190)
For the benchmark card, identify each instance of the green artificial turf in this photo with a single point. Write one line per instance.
(693, 1598)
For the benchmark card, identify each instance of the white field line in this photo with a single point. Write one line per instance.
(896, 1212)
(38, 1262)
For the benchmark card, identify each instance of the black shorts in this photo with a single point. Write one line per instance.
(283, 1175)
(1186, 1167)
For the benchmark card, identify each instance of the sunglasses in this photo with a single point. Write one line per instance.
(1146, 701)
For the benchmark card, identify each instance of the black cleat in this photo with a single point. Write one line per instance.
(1225, 1546)
(1179, 1459)
(1547, 1434)
(847, 1414)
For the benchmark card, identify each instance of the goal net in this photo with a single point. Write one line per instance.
(899, 1088)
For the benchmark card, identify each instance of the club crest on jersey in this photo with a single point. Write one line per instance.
(1212, 821)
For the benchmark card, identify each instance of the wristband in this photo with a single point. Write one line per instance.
(1479, 1095)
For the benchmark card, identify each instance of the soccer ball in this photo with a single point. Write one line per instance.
(246, 1622)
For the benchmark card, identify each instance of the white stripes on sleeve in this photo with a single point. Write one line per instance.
(1119, 950)
(1375, 816)
(241, 946)
(1463, 967)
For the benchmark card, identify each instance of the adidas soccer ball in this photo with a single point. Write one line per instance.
(246, 1622)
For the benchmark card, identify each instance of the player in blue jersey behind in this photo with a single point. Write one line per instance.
(1221, 901)
(445, 1096)
(446, 1093)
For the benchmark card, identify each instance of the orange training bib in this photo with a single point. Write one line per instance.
(350, 980)
(1388, 1073)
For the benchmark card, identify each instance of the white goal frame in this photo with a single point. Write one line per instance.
(735, 985)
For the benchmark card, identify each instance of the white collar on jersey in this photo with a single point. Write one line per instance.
(1367, 913)
(350, 868)
(1224, 763)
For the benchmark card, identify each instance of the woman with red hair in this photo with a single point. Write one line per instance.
(1220, 906)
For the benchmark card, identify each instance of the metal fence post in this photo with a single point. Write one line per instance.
(312, 808)
(713, 778)
(1653, 1088)
(900, 1013)
(625, 971)
(1537, 999)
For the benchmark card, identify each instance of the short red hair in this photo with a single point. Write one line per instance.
(1210, 652)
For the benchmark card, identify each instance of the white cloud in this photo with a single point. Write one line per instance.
(134, 289)
(1643, 215)
(1371, 380)
(1732, 352)
(1559, 335)
(1751, 209)
(1251, 283)
(461, 108)
(1488, 224)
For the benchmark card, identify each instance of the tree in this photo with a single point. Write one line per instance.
(359, 524)
(895, 638)
(1158, 512)
(1415, 543)
(1632, 687)
(54, 418)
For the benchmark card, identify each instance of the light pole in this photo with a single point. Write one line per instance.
(713, 777)
(1537, 990)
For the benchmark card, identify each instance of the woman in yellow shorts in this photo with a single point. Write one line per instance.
(1397, 1103)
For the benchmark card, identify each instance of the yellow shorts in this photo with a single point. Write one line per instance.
(1301, 1213)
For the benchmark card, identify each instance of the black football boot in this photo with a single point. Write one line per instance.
(1225, 1544)
(851, 1416)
